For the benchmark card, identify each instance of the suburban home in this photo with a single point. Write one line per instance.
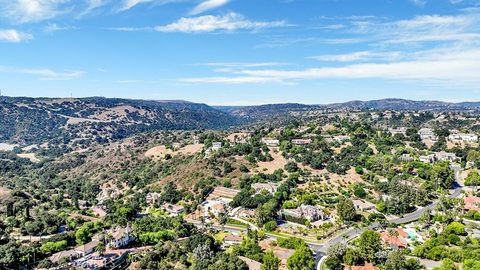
(120, 237)
(400, 130)
(176, 146)
(427, 134)
(472, 203)
(427, 159)
(301, 141)
(173, 209)
(393, 241)
(405, 158)
(363, 205)
(463, 137)
(66, 255)
(271, 142)
(213, 207)
(223, 192)
(308, 212)
(445, 156)
(252, 264)
(152, 198)
(216, 146)
(270, 187)
(231, 239)
(240, 212)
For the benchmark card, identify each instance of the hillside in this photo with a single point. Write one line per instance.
(37, 120)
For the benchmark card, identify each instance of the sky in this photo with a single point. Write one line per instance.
(242, 52)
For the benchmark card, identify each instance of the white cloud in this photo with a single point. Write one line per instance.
(209, 23)
(12, 35)
(243, 64)
(229, 22)
(53, 27)
(445, 66)
(208, 5)
(27, 11)
(43, 73)
(128, 4)
(420, 3)
(358, 56)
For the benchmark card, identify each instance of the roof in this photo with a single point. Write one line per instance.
(119, 232)
(233, 238)
(252, 265)
(472, 203)
(396, 241)
(63, 254)
(88, 246)
(223, 192)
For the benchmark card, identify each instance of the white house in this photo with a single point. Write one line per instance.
(270, 187)
(309, 212)
(427, 134)
(463, 137)
(445, 156)
(400, 130)
(216, 146)
(173, 209)
(152, 198)
(213, 207)
(301, 141)
(363, 205)
(119, 237)
(427, 159)
(271, 142)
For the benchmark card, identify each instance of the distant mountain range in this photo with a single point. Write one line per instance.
(26, 120)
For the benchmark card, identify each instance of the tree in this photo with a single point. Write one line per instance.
(337, 250)
(442, 175)
(395, 260)
(333, 263)
(346, 210)
(370, 243)
(302, 259)
(270, 262)
(100, 248)
(413, 264)
(447, 264)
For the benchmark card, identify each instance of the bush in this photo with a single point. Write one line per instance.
(270, 226)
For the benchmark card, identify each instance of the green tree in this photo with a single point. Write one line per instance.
(369, 243)
(346, 210)
(395, 260)
(442, 175)
(302, 259)
(447, 264)
(270, 262)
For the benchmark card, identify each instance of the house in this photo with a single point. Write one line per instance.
(270, 187)
(301, 141)
(82, 204)
(463, 137)
(231, 239)
(405, 158)
(120, 237)
(427, 134)
(66, 255)
(213, 207)
(367, 266)
(176, 146)
(240, 212)
(99, 211)
(400, 130)
(308, 212)
(393, 241)
(363, 205)
(271, 142)
(152, 198)
(341, 138)
(173, 209)
(444, 156)
(472, 203)
(427, 159)
(252, 265)
(216, 146)
(223, 192)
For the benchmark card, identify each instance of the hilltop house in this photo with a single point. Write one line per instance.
(301, 141)
(216, 146)
(427, 134)
(231, 239)
(119, 237)
(363, 205)
(444, 156)
(173, 209)
(308, 212)
(213, 207)
(271, 142)
(393, 241)
(463, 137)
(270, 187)
(399, 130)
(152, 198)
(427, 159)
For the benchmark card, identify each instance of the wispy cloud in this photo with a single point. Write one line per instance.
(358, 56)
(14, 36)
(243, 64)
(448, 66)
(209, 23)
(27, 11)
(208, 5)
(53, 27)
(128, 4)
(43, 73)
(420, 3)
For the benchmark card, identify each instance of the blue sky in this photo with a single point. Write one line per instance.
(241, 52)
